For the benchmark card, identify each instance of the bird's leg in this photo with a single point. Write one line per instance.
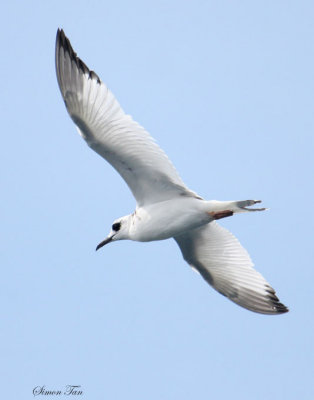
(220, 214)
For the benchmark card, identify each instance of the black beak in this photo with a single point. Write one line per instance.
(101, 244)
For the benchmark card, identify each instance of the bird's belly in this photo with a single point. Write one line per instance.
(168, 219)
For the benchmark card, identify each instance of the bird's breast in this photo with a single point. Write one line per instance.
(166, 219)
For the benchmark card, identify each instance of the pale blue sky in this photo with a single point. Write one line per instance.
(226, 88)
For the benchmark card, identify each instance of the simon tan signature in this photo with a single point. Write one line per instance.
(69, 390)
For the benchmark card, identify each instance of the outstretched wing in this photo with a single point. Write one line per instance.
(226, 265)
(111, 133)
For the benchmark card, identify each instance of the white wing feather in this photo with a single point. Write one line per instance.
(227, 266)
(111, 133)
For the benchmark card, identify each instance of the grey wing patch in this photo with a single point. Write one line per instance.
(245, 297)
(220, 259)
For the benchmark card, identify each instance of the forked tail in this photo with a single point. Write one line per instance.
(223, 209)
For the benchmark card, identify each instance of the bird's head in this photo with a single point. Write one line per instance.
(119, 231)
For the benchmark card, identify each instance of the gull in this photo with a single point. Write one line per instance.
(165, 206)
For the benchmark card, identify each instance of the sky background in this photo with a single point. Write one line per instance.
(226, 89)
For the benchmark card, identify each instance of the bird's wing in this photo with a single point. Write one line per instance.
(111, 133)
(226, 265)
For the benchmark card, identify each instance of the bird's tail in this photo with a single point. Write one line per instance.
(222, 209)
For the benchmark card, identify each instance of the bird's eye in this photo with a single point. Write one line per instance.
(116, 226)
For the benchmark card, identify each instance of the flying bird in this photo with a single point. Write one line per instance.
(165, 206)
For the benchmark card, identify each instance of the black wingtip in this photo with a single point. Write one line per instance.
(280, 308)
(63, 42)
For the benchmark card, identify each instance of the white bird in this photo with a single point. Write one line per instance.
(166, 207)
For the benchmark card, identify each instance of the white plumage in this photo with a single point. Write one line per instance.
(165, 206)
